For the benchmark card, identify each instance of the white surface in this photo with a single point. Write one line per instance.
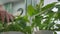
(49, 1)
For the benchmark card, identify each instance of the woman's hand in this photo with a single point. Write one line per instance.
(5, 16)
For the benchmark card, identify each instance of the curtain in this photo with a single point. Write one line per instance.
(32, 2)
(8, 7)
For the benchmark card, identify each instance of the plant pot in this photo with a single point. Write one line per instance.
(44, 32)
(12, 32)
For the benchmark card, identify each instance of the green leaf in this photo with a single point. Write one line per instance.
(13, 27)
(57, 29)
(41, 4)
(30, 10)
(42, 26)
(58, 0)
(47, 7)
(55, 33)
(58, 25)
(37, 20)
(1, 26)
(51, 25)
(58, 13)
(28, 29)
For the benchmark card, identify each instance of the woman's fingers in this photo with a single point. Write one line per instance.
(10, 17)
(2, 14)
(5, 15)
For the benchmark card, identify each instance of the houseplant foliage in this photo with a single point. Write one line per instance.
(40, 16)
(58, 0)
(47, 13)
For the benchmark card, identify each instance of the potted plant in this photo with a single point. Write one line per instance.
(40, 18)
